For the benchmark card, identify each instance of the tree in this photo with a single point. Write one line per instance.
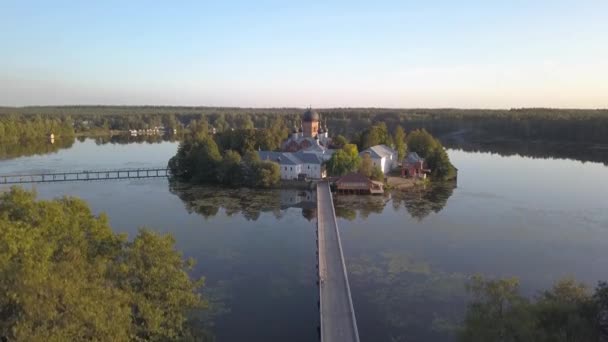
(567, 312)
(366, 166)
(344, 161)
(377, 174)
(65, 276)
(230, 170)
(375, 135)
(497, 310)
(199, 129)
(421, 142)
(339, 141)
(399, 140)
(265, 174)
(429, 148)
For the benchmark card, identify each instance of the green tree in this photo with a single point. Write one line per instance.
(375, 135)
(377, 174)
(196, 160)
(566, 313)
(421, 142)
(366, 167)
(344, 161)
(429, 148)
(265, 174)
(65, 276)
(339, 141)
(497, 313)
(399, 141)
(230, 170)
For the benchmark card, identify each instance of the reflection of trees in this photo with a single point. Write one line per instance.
(123, 139)
(419, 203)
(250, 203)
(33, 148)
(534, 149)
(348, 206)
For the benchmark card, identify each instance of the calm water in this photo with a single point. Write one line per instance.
(408, 255)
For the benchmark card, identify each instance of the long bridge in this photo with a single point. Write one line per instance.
(337, 315)
(67, 176)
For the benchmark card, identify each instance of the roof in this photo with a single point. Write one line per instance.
(413, 158)
(378, 151)
(308, 158)
(310, 115)
(314, 143)
(279, 157)
(352, 178)
(290, 158)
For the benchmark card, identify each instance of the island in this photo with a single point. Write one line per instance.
(279, 157)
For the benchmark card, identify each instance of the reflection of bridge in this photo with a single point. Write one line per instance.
(336, 310)
(83, 175)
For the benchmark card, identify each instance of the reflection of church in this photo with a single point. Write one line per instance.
(307, 200)
(311, 136)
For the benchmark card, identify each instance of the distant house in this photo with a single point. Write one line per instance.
(414, 166)
(296, 165)
(382, 156)
(355, 183)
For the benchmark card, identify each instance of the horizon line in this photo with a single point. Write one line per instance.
(298, 107)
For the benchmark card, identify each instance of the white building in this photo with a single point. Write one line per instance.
(296, 164)
(382, 156)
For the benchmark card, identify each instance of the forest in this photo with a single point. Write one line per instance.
(556, 125)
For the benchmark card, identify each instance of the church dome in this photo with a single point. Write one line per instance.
(310, 115)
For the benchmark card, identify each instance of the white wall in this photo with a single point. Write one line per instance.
(312, 170)
(290, 171)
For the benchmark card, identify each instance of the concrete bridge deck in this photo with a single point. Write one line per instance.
(337, 315)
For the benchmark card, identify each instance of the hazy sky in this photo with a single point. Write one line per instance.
(515, 53)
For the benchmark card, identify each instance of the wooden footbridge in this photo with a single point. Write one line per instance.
(337, 315)
(83, 175)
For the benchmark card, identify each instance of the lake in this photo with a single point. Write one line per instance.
(408, 255)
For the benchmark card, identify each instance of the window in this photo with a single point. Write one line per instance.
(290, 168)
(309, 167)
(285, 168)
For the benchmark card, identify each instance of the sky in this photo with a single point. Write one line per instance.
(410, 54)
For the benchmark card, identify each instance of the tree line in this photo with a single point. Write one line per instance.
(16, 129)
(559, 125)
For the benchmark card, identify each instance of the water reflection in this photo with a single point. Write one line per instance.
(419, 202)
(9, 151)
(250, 203)
(534, 149)
(123, 139)
(44, 147)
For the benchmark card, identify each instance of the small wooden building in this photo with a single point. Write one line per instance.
(414, 166)
(355, 183)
